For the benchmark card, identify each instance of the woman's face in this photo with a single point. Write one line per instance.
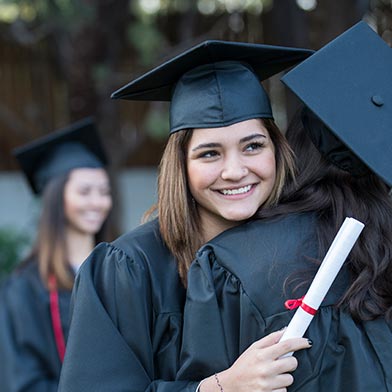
(87, 199)
(231, 172)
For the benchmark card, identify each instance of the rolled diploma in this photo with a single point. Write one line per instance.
(329, 268)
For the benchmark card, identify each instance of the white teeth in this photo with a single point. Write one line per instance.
(236, 191)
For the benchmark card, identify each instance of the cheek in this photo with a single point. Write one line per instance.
(68, 206)
(267, 166)
(72, 204)
(199, 177)
(75, 200)
(107, 204)
(70, 211)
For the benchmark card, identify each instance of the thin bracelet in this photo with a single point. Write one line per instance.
(217, 381)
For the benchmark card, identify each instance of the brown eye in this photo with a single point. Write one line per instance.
(208, 154)
(254, 146)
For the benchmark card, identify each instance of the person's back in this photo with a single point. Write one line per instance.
(238, 286)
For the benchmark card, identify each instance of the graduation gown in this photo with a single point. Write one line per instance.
(236, 296)
(28, 353)
(126, 326)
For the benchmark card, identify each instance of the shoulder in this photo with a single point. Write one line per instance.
(142, 248)
(24, 285)
(141, 238)
(289, 228)
(260, 245)
(24, 276)
(136, 264)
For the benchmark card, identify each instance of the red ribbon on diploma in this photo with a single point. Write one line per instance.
(295, 303)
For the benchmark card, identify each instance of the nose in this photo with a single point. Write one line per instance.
(97, 200)
(234, 169)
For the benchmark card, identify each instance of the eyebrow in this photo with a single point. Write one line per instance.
(243, 140)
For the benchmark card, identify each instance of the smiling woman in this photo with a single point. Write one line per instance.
(224, 160)
(87, 199)
(34, 308)
(231, 172)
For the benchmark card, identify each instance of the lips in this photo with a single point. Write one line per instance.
(93, 216)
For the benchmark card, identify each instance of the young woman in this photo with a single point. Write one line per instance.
(224, 160)
(238, 285)
(66, 168)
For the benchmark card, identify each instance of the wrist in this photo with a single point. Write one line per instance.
(218, 382)
(211, 384)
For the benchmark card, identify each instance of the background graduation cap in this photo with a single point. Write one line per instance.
(215, 83)
(75, 146)
(348, 85)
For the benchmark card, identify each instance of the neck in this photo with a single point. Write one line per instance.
(213, 227)
(79, 246)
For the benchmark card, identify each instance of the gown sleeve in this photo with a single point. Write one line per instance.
(203, 325)
(28, 360)
(119, 340)
(217, 315)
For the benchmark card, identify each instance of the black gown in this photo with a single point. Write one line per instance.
(126, 326)
(236, 295)
(29, 360)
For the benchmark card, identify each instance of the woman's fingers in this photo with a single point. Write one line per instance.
(268, 367)
(269, 340)
(272, 348)
(262, 368)
(289, 345)
(281, 381)
(287, 364)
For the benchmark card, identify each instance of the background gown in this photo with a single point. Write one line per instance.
(29, 360)
(236, 295)
(126, 326)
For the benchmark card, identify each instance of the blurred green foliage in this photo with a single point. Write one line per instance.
(59, 12)
(147, 40)
(156, 123)
(12, 246)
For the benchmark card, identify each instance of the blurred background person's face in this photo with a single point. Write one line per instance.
(87, 199)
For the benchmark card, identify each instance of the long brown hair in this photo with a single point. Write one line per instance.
(50, 248)
(333, 194)
(177, 211)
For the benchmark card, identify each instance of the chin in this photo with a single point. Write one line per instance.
(89, 229)
(239, 217)
(93, 230)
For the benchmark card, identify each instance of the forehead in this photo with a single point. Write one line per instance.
(232, 132)
(88, 175)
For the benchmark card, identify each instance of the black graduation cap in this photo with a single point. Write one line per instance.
(75, 146)
(347, 84)
(215, 83)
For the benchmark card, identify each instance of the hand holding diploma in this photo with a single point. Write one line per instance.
(329, 268)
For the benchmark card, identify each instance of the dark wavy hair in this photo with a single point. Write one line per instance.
(333, 194)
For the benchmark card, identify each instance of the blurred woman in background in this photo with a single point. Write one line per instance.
(67, 169)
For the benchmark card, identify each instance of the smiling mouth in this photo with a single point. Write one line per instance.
(236, 191)
(93, 216)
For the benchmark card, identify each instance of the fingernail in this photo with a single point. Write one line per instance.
(310, 342)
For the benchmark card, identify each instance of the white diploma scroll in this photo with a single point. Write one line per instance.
(329, 268)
